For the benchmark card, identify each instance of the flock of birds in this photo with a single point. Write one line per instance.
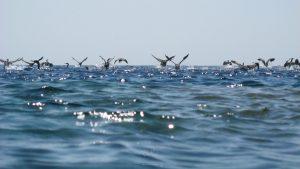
(46, 64)
(105, 65)
(288, 64)
(163, 62)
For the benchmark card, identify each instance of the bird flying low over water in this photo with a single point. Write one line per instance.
(8, 63)
(106, 63)
(37, 62)
(80, 63)
(177, 65)
(121, 60)
(67, 64)
(163, 63)
(289, 63)
(266, 63)
(227, 62)
(246, 67)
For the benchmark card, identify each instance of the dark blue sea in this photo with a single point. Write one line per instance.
(146, 117)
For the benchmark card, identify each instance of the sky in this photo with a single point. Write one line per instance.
(210, 30)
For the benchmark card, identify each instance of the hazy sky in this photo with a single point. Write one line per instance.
(210, 30)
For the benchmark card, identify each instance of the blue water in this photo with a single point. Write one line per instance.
(202, 117)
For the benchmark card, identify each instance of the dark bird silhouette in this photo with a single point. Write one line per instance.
(266, 63)
(227, 62)
(289, 63)
(7, 62)
(177, 65)
(246, 67)
(169, 58)
(67, 64)
(121, 60)
(80, 63)
(37, 62)
(106, 63)
(163, 63)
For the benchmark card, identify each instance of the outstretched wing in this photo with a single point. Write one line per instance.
(19, 59)
(160, 60)
(84, 60)
(117, 60)
(2, 60)
(270, 60)
(235, 62)
(263, 61)
(110, 59)
(169, 58)
(25, 61)
(75, 60)
(122, 60)
(184, 58)
(102, 58)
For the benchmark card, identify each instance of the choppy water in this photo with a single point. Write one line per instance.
(206, 117)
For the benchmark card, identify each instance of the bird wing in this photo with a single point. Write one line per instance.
(75, 60)
(84, 60)
(235, 62)
(184, 58)
(26, 61)
(160, 60)
(172, 62)
(116, 61)
(271, 60)
(263, 61)
(169, 58)
(41, 58)
(122, 60)
(110, 59)
(17, 60)
(102, 58)
(2, 60)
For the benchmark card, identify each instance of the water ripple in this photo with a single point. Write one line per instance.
(145, 117)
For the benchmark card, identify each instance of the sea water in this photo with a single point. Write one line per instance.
(146, 117)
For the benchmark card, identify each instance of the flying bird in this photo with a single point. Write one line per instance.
(266, 63)
(163, 63)
(8, 63)
(246, 67)
(227, 62)
(80, 63)
(106, 63)
(177, 65)
(121, 60)
(289, 63)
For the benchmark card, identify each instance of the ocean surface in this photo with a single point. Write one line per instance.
(146, 117)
